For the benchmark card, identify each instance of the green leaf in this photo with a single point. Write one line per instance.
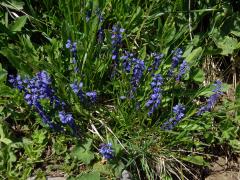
(90, 176)
(194, 56)
(5, 141)
(198, 76)
(39, 136)
(235, 144)
(18, 24)
(102, 168)
(3, 74)
(169, 31)
(4, 29)
(83, 153)
(227, 44)
(198, 160)
(16, 5)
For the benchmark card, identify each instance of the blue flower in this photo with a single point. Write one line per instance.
(138, 70)
(106, 151)
(178, 111)
(184, 67)
(116, 41)
(127, 58)
(176, 58)
(68, 44)
(92, 95)
(156, 95)
(35, 89)
(212, 100)
(66, 118)
(156, 62)
(73, 49)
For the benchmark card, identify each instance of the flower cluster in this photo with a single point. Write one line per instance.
(65, 118)
(106, 151)
(73, 49)
(212, 99)
(156, 95)
(184, 67)
(127, 58)
(92, 95)
(138, 70)
(177, 56)
(16, 82)
(156, 62)
(178, 111)
(77, 89)
(116, 41)
(36, 89)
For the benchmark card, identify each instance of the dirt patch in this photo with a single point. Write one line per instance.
(224, 170)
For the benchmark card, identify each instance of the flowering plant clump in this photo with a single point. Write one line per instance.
(107, 78)
(37, 89)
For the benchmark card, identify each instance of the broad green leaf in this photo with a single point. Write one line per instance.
(102, 168)
(199, 76)
(169, 31)
(90, 176)
(198, 160)
(227, 44)
(18, 24)
(83, 153)
(194, 56)
(188, 51)
(5, 141)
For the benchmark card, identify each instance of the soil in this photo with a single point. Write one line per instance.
(224, 170)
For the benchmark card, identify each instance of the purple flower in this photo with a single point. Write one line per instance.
(35, 89)
(176, 58)
(156, 95)
(178, 111)
(92, 96)
(212, 100)
(106, 151)
(184, 67)
(116, 41)
(127, 58)
(66, 118)
(73, 49)
(138, 70)
(68, 44)
(156, 63)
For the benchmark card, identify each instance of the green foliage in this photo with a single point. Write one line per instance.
(33, 38)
